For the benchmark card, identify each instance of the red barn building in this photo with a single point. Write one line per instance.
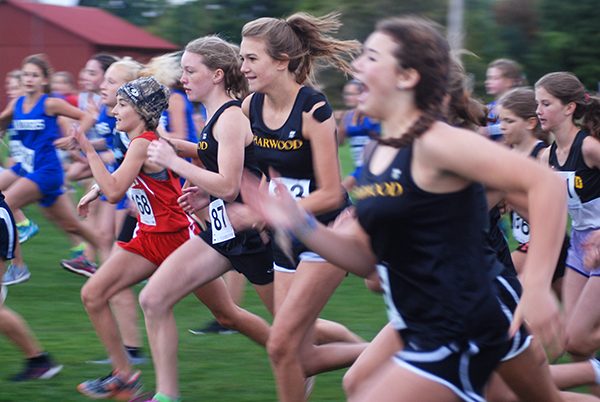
(69, 36)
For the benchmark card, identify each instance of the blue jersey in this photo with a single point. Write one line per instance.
(357, 132)
(36, 132)
(189, 119)
(435, 258)
(105, 126)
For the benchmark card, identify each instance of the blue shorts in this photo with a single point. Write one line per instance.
(465, 369)
(49, 181)
(575, 253)
(8, 232)
(120, 205)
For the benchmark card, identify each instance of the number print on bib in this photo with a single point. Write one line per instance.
(142, 202)
(520, 229)
(299, 188)
(219, 222)
(23, 155)
(573, 182)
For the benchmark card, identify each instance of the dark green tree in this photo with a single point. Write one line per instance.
(188, 21)
(139, 12)
(569, 40)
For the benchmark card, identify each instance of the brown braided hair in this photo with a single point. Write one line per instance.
(422, 48)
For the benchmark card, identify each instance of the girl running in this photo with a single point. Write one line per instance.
(357, 129)
(523, 133)
(27, 228)
(38, 364)
(521, 369)
(211, 75)
(418, 198)
(39, 175)
(162, 225)
(572, 116)
(502, 75)
(294, 134)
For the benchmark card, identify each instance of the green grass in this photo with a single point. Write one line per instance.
(211, 367)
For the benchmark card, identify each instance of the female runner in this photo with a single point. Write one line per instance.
(162, 225)
(211, 75)
(415, 204)
(573, 117)
(294, 133)
(39, 175)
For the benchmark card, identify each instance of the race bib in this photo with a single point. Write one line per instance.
(299, 188)
(520, 229)
(23, 155)
(573, 182)
(140, 199)
(16, 150)
(219, 222)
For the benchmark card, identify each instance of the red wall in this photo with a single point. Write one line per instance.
(22, 34)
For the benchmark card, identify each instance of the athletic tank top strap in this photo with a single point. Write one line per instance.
(575, 156)
(537, 148)
(207, 139)
(208, 147)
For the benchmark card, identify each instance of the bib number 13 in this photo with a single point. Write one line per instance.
(219, 222)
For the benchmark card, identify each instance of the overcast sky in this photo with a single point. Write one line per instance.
(61, 2)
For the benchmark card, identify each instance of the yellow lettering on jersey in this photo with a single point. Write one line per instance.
(202, 145)
(387, 189)
(578, 182)
(271, 143)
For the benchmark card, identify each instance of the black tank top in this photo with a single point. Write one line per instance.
(583, 185)
(285, 149)
(436, 251)
(208, 147)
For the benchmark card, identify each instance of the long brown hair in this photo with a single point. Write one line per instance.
(422, 48)
(41, 60)
(303, 40)
(219, 54)
(567, 88)
(521, 102)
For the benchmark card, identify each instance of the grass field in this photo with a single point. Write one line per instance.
(212, 367)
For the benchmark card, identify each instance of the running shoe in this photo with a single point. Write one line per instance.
(213, 328)
(15, 274)
(112, 386)
(135, 360)
(27, 232)
(41, 367)
(80, 265)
